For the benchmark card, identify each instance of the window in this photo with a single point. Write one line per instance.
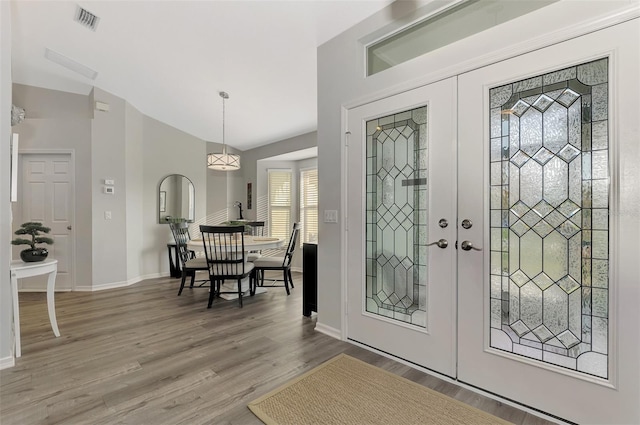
(309, 205)
(458, 20)
(280, 203)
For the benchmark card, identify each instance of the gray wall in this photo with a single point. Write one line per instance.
(130, 148)
(216, 194)
(167, 151)
(108, 161)
(133, 186)
(6, 309)
(59, 120)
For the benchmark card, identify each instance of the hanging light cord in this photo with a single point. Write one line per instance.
(224, 96)
(224, 145)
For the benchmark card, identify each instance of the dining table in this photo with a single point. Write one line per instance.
(251, 244)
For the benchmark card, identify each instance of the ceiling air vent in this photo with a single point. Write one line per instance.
(86, 18)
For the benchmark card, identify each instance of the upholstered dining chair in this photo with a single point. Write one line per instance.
(188, 261)
(279, 263)
(256, 228)
(225, 256)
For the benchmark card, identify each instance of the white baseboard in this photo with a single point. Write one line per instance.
(328, 330)
(25, 285)
(122, 284)
(38, 289)
(7, 362)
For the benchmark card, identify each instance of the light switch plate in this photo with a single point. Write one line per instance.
(330, 216)
(109, 181)
(109, 190)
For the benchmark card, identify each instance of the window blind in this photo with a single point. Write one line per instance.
(309, 205)
(280, 203)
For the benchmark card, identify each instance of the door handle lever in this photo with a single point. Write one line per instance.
(442, 243)
(468, 246)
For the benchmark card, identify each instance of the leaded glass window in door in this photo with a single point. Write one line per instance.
(549, 201)
(396, 216)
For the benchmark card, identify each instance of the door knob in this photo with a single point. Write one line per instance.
(468, 246)
(68, 227)
(442, 243)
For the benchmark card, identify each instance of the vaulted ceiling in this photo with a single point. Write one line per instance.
(169, 59)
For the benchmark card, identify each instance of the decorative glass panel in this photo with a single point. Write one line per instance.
(396, 216)
(549, 218)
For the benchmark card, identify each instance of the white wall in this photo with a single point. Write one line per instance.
(341, 85)
(6, 309)
(59, 120)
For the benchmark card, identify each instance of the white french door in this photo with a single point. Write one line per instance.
(401, 173)
(541, 187)
(548, 311)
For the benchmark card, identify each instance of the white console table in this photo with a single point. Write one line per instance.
(20, 269)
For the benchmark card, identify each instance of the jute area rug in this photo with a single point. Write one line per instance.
(345, 390)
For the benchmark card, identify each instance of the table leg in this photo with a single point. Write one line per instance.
(51, 303)
(16, 314)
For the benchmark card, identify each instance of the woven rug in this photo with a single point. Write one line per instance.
(348, 391)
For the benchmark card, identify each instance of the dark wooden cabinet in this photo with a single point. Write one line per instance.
(309, 278)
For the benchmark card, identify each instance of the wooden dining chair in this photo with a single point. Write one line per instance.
(256, 228)
(279, 263)
(225, 255)
(189, 263)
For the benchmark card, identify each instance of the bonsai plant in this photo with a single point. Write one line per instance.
(34, 253)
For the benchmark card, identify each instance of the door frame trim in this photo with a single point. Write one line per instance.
(72, 154)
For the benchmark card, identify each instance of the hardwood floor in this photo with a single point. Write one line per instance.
(142, 355)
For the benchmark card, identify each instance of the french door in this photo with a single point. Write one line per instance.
(532, 164)
(401, 292)
(548, 310)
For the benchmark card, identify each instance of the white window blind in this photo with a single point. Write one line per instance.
(309, 205)
(280, 203)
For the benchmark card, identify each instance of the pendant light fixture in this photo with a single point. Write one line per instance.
(223, 161)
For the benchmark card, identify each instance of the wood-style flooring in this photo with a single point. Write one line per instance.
(142, 355)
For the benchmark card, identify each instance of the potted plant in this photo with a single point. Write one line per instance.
(34, 253)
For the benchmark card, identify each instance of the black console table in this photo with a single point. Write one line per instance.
(309, 278)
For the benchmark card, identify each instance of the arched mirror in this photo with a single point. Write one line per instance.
(176, 199)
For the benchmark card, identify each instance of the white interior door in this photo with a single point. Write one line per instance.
(548, 310)
(47, 197)
(401, 192)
